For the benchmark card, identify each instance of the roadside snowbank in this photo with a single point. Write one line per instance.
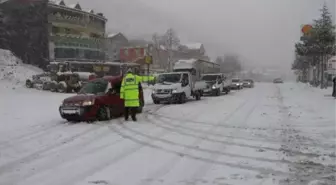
(13, 70)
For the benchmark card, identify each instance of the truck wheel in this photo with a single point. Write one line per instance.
(156, 102)
(62, 87)
(198, 96)
(103, 114)
(29, 84)
(182, 98)
(218, 92)
(45, 86)
(53, 87)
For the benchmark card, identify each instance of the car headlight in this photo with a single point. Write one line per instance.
(153, 91)
(88, 103)
(214, 86)
(174, 91)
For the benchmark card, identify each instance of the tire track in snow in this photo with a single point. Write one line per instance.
(204, 168)
(168, 166)
(304, 171)
(29, 135)
(10, 165)
(99, 166)
(226, 125)
(196, 148)
(102, 165)
(182, 154)
(69, 154)
(225, 142)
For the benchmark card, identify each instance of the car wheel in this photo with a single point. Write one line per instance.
(103, 114)
(198, 96)
(182, 98)
(218, 92)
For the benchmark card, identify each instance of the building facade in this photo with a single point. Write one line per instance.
(74, 33)
(40, 31)
(160, 55)
(115, 42)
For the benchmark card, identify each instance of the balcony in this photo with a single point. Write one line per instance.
(73, 42)
(73, 22)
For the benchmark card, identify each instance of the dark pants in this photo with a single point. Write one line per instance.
(334, 90)
(131, 110)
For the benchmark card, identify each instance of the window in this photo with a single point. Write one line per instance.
(126, 52)
(55, 30)
(185, 79)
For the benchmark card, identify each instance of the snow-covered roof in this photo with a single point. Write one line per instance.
(189, 61)
(76, 6)
(58, 2)
(110, 35)
(332, 59)
(162, 47)
(194, 46)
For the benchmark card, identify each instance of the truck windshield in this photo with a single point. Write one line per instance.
(209, 77)
(170, 78)
(94, 87)
(53, 68)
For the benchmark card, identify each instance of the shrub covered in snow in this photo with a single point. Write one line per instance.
(12, 69)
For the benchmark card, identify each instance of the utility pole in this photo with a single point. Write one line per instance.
(148, 59)
(170, 47)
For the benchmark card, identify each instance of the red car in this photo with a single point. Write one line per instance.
(99, 99)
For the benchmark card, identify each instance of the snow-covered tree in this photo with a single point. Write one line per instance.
(229, 64)
(317, 45)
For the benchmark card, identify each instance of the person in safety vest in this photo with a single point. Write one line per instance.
(129, 91)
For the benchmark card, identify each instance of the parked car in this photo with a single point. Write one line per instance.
(249, 83)
(216, 83)
(99, 99)
(236, 84)
(277, 80)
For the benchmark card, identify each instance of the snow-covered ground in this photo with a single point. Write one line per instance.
(271, 134)
(14, 71)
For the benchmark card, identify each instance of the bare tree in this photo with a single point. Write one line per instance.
(229, 64)
(171, 42)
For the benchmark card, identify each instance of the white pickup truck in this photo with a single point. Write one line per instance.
(182, 84)
(216, 83)
(176, 87)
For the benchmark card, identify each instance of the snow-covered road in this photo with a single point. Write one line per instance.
(271, 134)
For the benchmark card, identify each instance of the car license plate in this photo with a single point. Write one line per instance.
(69, 111)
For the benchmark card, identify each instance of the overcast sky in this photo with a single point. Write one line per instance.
(262, 32)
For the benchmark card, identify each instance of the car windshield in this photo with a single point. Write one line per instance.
(235, 80)
(247, 80)
(170, 78)
(209, 77)
(94, 87)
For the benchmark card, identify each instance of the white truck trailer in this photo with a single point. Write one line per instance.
(183, 83)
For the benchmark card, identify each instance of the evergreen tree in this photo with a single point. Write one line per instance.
(317, 46)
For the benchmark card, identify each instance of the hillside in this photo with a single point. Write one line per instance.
(13, 70)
